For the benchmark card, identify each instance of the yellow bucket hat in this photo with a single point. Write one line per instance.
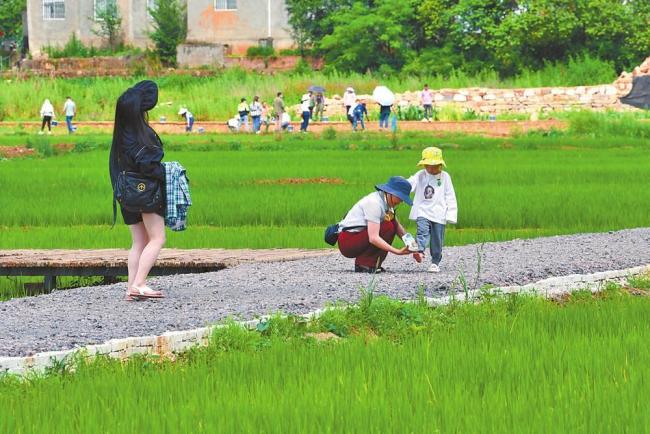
(432, 157)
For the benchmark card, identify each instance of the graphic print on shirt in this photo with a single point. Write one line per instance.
(428, 192)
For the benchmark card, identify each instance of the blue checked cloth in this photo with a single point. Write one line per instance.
(178, 196)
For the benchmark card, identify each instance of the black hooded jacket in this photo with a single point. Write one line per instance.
(136, 146)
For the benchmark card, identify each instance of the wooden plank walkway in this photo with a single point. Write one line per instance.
(113, 262)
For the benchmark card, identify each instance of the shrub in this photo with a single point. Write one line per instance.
(259, 51)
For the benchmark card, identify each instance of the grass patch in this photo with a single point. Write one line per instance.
(510, 364)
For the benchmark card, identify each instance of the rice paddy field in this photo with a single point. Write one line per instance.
(504, 364)
(508, 364)
(281, 191)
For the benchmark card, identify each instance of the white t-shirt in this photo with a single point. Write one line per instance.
(304, 106)
(69, 108)
(434, 199)
(349, 98)
(286, 119)
(371, 208)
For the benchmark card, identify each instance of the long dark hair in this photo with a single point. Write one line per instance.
(132, 121)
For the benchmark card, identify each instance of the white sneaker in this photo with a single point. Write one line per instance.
(40, 133)
(49, 133)
(433, 269)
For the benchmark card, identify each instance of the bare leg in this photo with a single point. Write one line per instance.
(140, 240)
(155, 228)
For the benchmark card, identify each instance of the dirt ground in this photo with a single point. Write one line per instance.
(487, 128)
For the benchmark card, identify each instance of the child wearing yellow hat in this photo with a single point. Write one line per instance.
(434, 204)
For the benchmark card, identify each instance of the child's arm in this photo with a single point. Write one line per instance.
(452, 205)
(413, 180)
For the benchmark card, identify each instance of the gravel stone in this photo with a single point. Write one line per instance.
(83, 316)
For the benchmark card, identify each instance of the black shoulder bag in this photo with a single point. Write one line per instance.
(136, 193)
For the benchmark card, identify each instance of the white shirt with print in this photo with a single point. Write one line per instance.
(434, 199)
(371, 208)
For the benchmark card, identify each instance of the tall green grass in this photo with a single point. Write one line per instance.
(513, 364)
(577, 189)
(216, 97)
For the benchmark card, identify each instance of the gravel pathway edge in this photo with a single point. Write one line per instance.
(178, 341)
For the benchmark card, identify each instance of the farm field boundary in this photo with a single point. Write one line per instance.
(178, 341)
(501, 128)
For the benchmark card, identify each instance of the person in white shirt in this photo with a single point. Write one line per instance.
(434, 204)
(285, 122)
(367, 231)
(189, 119)
(305, 108)
(349, 99)
(47, 113)
(70, 110)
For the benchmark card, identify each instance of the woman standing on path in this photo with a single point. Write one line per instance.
(47, 113)
(137, 148)
(369, 228)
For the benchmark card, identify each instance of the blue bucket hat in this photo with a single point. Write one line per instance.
(398, 186)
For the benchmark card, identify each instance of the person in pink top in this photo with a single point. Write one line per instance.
(426, 97)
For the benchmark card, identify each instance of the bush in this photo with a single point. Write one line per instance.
(258, 51)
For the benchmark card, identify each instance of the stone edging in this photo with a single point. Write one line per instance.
(178, 341)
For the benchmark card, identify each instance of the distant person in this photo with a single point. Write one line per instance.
(306, 113)
(234, 124)
(279, 110)
(359, 110)
(312, 103)
(426, 98)
(137, 148)
(319, 107)
(384, 114)
(285, 122)
(243, 111)
(367, 231)
(349, 98)
(47, 113)
(256, 114)
(189, 119)
(265, 119)
(70, 110)
(434, 205)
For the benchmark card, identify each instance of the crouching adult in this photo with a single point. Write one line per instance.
(369, 228)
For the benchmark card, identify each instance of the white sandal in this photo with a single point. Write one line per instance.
(143, 292)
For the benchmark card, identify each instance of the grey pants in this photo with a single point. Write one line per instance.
(432, 234)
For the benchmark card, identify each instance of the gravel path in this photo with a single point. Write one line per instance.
(82, 316)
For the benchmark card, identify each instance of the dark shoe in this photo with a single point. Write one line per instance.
(366, 269)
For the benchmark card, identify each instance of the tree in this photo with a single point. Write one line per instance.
(11, 21)
(110, 23)
(370, 38)
(310, 20)
(170, 28)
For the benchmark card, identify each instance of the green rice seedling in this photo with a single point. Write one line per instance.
(520, 364)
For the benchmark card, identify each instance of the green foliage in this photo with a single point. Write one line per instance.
(75, 48)
(109, 23)
(170, 28)
(11, 22)
(473, 36)
(260, 51)
(369, 38)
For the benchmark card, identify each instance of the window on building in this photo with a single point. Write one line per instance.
(225, 5)
(151, 6)
(53, 9)
(100, 6)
